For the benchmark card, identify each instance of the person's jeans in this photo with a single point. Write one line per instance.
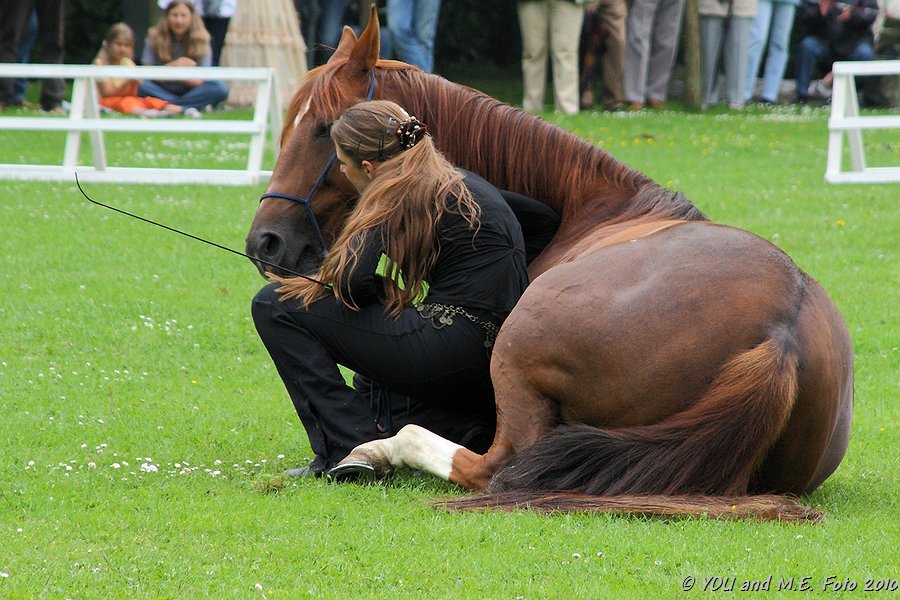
(773, 23)
(23, 54)
(50, 38)
(413, 25)
(206, 94)
(330, 27)
(812, 51)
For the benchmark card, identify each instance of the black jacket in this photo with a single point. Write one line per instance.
(476, 269)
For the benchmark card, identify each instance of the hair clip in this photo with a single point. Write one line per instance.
(410, 132)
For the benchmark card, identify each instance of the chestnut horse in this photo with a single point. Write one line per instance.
(658, 363)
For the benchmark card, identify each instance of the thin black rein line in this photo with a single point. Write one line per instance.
(193, 237)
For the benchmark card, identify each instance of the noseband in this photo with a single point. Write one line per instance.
(306, 201)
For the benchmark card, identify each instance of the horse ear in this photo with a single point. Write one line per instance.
(365, 52)
(348, 41)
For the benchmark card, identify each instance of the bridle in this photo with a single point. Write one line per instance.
(306, 200)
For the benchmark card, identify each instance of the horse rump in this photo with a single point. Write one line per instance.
(699, 461)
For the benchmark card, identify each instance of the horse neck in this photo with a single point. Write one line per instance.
(519, 152)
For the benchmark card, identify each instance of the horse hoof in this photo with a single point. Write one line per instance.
(354, 470)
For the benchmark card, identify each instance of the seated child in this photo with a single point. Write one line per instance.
(121, 94)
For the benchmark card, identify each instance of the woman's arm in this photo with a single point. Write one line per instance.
(362, 285)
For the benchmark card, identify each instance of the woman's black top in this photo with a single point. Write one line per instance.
(482, 268)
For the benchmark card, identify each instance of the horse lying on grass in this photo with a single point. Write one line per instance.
(658, 363)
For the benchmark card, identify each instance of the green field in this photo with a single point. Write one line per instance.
(144, 428)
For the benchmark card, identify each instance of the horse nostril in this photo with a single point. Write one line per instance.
(272, 245)
(267, 245)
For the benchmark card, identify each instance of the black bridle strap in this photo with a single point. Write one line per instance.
(193, 237)
(306, 201)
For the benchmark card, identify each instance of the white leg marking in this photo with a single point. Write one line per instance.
(414, 447)
(421, 449)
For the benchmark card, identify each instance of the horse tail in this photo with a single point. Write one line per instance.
(698, 461)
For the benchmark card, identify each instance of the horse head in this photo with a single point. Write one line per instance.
(308, 198)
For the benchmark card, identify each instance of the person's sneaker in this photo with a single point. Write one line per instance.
(192, 113)
(821, 90)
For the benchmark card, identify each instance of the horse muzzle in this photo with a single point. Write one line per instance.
(271, 247)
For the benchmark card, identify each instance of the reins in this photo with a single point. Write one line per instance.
(193, 237)
(306, 201)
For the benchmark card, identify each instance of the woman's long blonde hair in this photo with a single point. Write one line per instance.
(412, 189)
(161, 37)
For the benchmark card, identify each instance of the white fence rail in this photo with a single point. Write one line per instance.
(84, 117)
(845, 120)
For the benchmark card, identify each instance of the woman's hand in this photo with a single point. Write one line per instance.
(184, 61)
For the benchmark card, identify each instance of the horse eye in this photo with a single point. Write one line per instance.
(322, 130)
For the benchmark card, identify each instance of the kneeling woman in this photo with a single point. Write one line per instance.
(421, 230)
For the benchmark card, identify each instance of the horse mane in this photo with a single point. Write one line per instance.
(517, 148)
(518, 151)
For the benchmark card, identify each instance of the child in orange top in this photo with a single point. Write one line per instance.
(121, 94)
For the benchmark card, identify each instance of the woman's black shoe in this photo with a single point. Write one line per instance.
(314, 469)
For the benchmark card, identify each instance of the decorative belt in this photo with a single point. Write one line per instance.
(442, 315)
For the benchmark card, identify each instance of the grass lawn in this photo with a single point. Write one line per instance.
(144, 428)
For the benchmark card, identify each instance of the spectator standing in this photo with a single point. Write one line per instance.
(216, 17)
(23, 54)
(770, 31)
(730, 20)
(413, 26)
(181, 40)
(834, 31)
(603, 32)
(308, 12)
(653, 27)
(550, 27)
(50, 35)
(321, 22)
